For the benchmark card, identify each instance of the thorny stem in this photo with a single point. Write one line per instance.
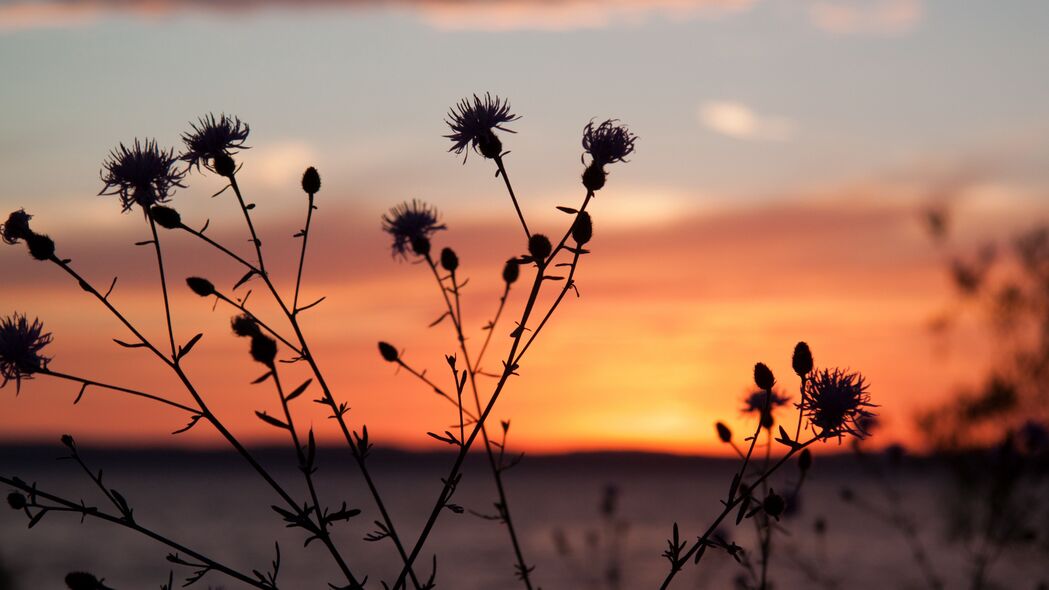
(503, 506)
(564, 239)
(163, 283)
(95, 513)
(329, 399)
(173, 364)
(730, 505)
(569, 284)
(243, 309)
(135, 392)
(449, 482)
(307, 472)
(302, 255)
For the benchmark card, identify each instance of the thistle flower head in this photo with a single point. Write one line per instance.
(801, 361)
(609, 142)
(410, 224)
(764, 402)
(211, 137)
(142, 174)
(472, 123)
(21, 343)
(389, 352)
(16, 501)
(84, 581)
(16, 227)
(837, 402)
(511, 271)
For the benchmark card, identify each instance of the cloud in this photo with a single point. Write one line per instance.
(279, 165)
(489, 15)
(737, 120)
(870, 17)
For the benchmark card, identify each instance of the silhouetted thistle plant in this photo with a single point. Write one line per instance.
(145, 175)
(835, 403)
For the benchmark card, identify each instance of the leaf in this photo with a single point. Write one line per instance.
(36, 518)
(567, 210)
(298, 390)
(144, 243)
(83, 388)
(264, 377)
(311, 450)
(184, 350)
(342, 514)
(450, 438)
(271, 420)
(128, 344)
(192, 422)
(305, 307)
(438, 320)
(245, 278)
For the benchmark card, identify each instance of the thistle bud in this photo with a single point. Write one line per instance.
(41, 247)
(201, 286)
(67, 440)
(263, 349)
(224, 165)
(723, 432)
(166, 217)
(763, 377)
(449, 261)
(311, 181)
(511, 271)
(388, 352)
(774, 504)
(420, 245)
(594, 177)
(489, 145)
(582, 228)
(805, 460)
(802, 359)
(539, 247)
(16, 501)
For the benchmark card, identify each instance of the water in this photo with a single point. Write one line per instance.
(212, 503)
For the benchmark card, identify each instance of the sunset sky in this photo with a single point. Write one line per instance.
(787, 149)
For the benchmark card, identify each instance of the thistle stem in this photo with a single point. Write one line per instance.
(302, 255)
(513, 197)
(66, 505)
(163, 283)
(134, 392)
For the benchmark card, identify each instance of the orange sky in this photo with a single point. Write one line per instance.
(672, 317)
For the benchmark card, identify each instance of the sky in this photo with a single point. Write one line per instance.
(786, 150)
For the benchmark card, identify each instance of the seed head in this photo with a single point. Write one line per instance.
(311, 181)
(539, 247)
(411, 224)
(837, 402)
(166, 217)
(201, 286)
(511, 271)
(763, 377)
(21, 344)
(212, 137)
(388, 352)
(142, 174)
(582, 228)
(764, 402)
(67, 441)
(449, 261)
(473, 123)
(17, 227)
(244, 326)
(802, 359)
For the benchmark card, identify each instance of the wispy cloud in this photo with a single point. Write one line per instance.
(490, 15)
(870, 17)
(737, 120)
